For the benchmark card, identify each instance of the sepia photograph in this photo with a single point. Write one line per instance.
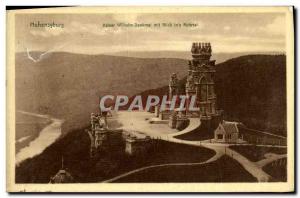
(150, 99)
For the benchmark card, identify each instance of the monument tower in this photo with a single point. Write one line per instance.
(200, 81)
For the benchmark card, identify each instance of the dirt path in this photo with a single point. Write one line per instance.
(157, 132)
(249, 166)
(270, 157)
(222, 149)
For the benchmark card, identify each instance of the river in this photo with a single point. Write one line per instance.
(47, 136)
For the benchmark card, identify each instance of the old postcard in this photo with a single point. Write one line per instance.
(150, 99)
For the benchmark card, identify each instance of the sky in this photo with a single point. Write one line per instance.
(84, 33)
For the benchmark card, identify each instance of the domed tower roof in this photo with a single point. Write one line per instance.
(62, 176)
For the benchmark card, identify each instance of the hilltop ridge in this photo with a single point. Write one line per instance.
(68, 86)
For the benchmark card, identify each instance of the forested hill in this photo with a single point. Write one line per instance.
(67, 86)
(250, 89)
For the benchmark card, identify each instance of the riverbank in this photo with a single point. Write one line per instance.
(42, 140)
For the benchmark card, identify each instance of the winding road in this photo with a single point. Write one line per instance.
(138, 121)
(214, 158)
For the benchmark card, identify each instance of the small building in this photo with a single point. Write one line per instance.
(227, 132)
(62, 176)
(136, 143)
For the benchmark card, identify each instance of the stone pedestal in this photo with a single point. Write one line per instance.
(101, 137)
(156, 111)
(182, 123)
(165, 115)
(172, 121)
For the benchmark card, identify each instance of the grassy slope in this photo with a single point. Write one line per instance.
(224, 169)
